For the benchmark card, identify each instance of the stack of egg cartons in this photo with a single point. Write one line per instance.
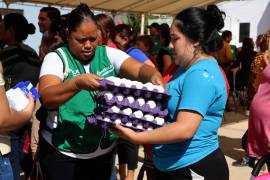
(130, 103)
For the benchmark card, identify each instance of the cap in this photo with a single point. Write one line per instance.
(155, 25)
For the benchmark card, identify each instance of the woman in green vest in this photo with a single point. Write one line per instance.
(71, 148)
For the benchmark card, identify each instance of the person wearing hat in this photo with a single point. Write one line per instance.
(155, 34)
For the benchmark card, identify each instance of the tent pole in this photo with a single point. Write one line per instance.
(142, 23)
(6, 3)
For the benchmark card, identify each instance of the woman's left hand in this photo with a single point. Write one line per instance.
(125, 133)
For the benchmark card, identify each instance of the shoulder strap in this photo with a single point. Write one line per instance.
(130, 49)
(65, 61)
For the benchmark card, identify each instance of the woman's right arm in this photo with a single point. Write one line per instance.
(53, 91)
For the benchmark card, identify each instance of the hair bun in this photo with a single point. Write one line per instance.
(216, 16)
(31, 28)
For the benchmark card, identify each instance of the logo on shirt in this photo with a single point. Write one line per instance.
(74, 72)
(105, 71)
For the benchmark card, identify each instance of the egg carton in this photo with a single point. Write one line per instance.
(105, 121)
(136, 120)
(147, 106)
(134, 88)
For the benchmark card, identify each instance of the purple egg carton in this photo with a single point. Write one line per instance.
(99, 121)
(157, 110)
(154, 111)
(125, 118)
(133, 90)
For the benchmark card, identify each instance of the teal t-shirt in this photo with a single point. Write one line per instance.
(201, 89)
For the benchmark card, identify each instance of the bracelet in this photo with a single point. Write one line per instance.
(2, 81)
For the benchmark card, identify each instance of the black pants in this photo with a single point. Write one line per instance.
(212, 167)
(127, 153)
(55, 165)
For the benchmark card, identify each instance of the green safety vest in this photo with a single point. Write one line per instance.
(73, 133)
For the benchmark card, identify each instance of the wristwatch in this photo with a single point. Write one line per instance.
(2, 81)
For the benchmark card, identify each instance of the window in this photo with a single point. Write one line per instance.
(244, 31)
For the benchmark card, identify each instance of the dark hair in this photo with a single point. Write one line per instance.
(147, 41)
(165, 34)
(125, 31)
(52, 12)
(106, 25)
(78, 15)
(226, 34)
(20, 26)
(202, 25)
(248, 45)
(59, 26)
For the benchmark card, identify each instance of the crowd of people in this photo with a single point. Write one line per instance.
(189, 58)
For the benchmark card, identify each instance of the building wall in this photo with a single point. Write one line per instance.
(255, 12)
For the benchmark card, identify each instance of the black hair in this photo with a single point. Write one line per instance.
(226, 34)
(78, 15)
(165, 34)
(248, 45)
(125, 31)
(52, 12)
(20, 26)
(59, 26)
(202, 25)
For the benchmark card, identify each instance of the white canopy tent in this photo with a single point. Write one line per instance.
(169, 7)
(142, 7)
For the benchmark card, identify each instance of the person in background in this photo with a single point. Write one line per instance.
(45, 18)
(154, 33)
(107, 29)
(165, 54)
(225, 59)
(187, 146)
(20, 63)
(70, 147)
(244, 59)
(145, 44)
(10, 119)
(127, 151)
(256, 69)
(125, 40)
(258, 141)
(258, 42)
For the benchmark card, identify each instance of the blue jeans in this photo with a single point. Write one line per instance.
(5, 168)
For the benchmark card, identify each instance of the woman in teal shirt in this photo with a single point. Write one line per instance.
(187, 147)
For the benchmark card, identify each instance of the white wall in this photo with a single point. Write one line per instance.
(255, 12)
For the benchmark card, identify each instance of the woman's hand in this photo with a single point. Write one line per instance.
(125, 133)
(87, 82)
(28, 110)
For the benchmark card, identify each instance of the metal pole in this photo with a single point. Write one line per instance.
(142, 23)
